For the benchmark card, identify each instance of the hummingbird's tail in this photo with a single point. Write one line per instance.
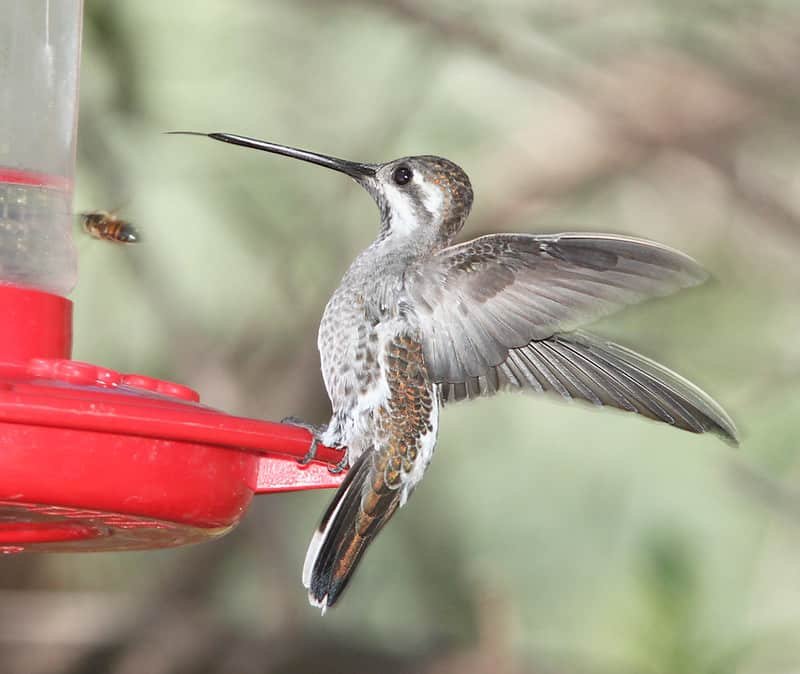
(358, 511)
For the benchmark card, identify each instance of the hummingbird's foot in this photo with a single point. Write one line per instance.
(339, 467)
(316, 434)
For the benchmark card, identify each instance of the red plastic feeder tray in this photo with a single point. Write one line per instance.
(91, 459)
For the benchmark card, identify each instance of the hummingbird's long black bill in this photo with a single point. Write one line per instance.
(351, 168)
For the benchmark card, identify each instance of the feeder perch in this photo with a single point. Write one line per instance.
(93, 459)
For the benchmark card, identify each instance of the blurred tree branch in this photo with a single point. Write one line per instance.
(634, 106)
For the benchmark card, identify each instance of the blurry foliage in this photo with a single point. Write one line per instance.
(547, 538)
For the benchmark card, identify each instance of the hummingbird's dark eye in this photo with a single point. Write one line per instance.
(402, 175)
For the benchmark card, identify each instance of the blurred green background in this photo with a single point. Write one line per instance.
(547, 538)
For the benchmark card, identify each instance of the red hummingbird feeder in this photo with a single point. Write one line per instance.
(93, 459)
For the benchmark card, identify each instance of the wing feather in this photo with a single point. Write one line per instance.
(478, 299)
(502, 311)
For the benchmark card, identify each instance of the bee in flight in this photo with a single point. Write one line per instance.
(105, 225)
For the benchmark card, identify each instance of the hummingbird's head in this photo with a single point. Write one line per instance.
(423, 198)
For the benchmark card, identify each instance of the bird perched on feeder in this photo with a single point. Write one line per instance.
(418, 321)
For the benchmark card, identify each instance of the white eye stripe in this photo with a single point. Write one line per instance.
(432, 197)
(405, 214)
(404, 218)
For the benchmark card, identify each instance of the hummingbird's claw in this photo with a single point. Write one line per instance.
(311, 454)
(316, 432)
(339, 467)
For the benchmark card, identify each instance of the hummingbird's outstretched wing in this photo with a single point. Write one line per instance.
(580, 365)
(494, 312)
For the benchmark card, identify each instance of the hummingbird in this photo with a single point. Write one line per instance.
(419, 321)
